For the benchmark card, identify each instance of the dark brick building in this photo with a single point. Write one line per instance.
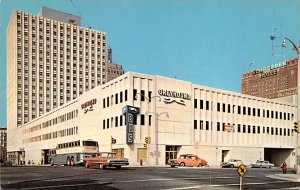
(273, 81)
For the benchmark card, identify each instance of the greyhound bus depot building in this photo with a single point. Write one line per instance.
(175, 117)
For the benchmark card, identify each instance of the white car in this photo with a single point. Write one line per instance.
(262, 164)
(232, 163)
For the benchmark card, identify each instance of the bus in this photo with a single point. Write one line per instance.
(72, 153)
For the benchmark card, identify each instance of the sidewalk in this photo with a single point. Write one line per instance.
(287, 177)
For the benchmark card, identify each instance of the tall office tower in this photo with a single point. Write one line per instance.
(274, 81)
(3, 144)
(113, 70)
(49, 63)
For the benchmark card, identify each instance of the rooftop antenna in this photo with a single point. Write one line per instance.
(276, 42)
(78, 12)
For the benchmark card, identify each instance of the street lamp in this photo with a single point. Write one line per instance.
(148, 102)
(298, 92)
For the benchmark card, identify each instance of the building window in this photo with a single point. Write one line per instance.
(150, 118)
(116, 122)
(207, 125)
(149, 96)
(258, 129)
(244, 128)
(258, 112)
(107, 124)
(107, 101)
(201, 125)
(143, 95)
(207, 105)
(224, 107)
(103, 123)
(195, 103)
(239, 109)
(218, 106)
(121, 120)
(142, 119)
(201, 104)
(126, 95)
(272, 114)
(239, 128)
(218, 126)
(228, 108)
(253, 130)
(103, 102)
(268, 115)
(134, 94)
(276, 115)
(121, 97)
(116, 98)
(195, 124)
(253, 112)
(244, 110)
(249, 111)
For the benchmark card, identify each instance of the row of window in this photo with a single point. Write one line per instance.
(65, 117)
(118, 121)
(245, 110)
(115, 99)
(243, 128)
(53, 135)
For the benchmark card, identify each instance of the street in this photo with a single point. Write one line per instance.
(60, 177)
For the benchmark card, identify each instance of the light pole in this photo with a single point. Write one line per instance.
(148, 103)
(298, 95)
(156, 135)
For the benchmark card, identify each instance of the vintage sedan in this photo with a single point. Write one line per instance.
(262, 164)
(105, 159)
(188, 160)
(232, 163)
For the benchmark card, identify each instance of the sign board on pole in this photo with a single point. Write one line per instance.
(241, 170)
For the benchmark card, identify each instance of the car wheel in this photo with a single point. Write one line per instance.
(260, 166)
(72, 162)
(68, 162)
(231, 165)
(101, 166)
(172, 166)
(182, 164)
(86, 164)
(200, 165)
(118, 167)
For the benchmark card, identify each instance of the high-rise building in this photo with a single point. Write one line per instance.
(274, 81)
(49, 63)
(113, 70)
(3, 144)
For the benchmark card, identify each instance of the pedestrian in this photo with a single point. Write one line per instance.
(284, 167)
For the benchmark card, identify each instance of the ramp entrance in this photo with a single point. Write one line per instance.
(277, 155)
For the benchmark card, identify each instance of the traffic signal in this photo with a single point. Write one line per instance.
(147, 140)
(113, 141)
(296, 126)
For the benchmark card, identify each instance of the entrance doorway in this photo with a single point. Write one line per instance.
(224, 155)
(171, 152)
(45, 156)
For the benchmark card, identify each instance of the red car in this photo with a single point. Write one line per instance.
(188, 160)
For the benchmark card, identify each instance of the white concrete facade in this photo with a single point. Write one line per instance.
(178, 116)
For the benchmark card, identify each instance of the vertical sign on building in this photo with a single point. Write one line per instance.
(130, 113)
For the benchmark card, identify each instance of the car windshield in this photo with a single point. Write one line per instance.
(108, 154)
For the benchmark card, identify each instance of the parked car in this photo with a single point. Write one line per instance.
(105, 159)
(188, 160)
(262, 164)
(232, 163)
(6, 163)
